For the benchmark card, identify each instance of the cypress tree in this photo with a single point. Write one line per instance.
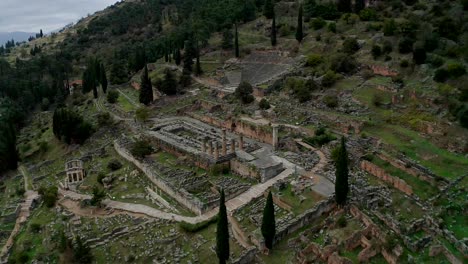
(8, 152)
(341, 173)
(146, 90)
(41, 34)
(359, 5)
(222, 232)
(198, 69)
(103, 78)
(177, 57)
(189, 55)
(299, 34)
(268, 9)
(236, 42)
(268, 222)
(273, 31)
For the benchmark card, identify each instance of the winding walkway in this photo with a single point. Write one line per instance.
(231, 205)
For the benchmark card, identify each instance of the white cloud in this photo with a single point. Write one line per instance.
(48, 15)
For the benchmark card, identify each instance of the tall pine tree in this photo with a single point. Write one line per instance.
(146, 90)
(268, 9)
(299, 33)
(177, 56)
(189, 55)
(103, 78)
(198, 69)
(236, 42)
(341, 173)
(273, 31)
(8, 152)
(222, 232)
(268, 222)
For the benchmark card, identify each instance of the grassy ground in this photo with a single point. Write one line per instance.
(298, 207)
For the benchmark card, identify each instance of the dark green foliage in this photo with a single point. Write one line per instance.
(321, 137)
(387, 47)
(98, 195)
(81, 252)
(309, 8)
(248, 11)
(329, 79)
(368, 14)
(273, 31)
(244, 92)
(193, 228)
(169, 84)
(465, 4)
(236, 42)
(49, 195)
(104, 119)
(359, 5)
(343, 63)
(448, 28)
(314, 60)
(118, 73)
(350, 46)
(389, 27)
(405, 45)
(198, 69)
(146, 89)
(341, 173)
(177, 57)
(419, 55)
(463, 117)
(103, 79)
(227, 42)
(331, 101)
(299, 33)
(441, 75)
(70, 127)
(268, 9)
(268, 222)
(377, 99)
(222, 232)
(456, 69)
(332, 27)
(114, 165)
(341, 222)
(92, 76)
(8, 153)
(376, 51)
(112, 96)
(189, 55)
(100, 177)
(141, 148)
(264, 104)
(404, 63)
(319, 23)
(344, 6)
(138, 59)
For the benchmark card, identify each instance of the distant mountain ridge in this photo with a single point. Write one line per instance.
(17, 36)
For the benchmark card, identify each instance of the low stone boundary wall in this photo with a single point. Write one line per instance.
(412, 171)
(196, 207)
(247, 257)
(305, 218)
(381, 174)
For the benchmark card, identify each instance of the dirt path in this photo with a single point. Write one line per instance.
(30, 197)
(75, 208)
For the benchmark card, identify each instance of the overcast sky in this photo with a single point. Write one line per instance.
(48, 15)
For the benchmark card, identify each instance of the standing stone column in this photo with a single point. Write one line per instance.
(241, 142)
(216, 150)
(233, 145)
(275, 136)
(224, 142)
(210, 148)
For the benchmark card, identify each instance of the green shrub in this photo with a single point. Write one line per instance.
(101, 175)
(264, 104)
(343, 63)
(405, 45)
(435, 60)
(376, 51)
(317, 23)
(389, 27)
(331, 101)
(329, 79)
(350, 46)
(377, 99)
(419, 55)
(193, 228)
(104, 118)
(112, 96)
(456, 69)
(332, 27)
(441, 75)
(341, 222)
(314, 60)
(114, 165)
(368, 14)
(45, 104)
(35, 227)
(321, 137)
(387, 47)
(49, 195)
(141, 148)
(244, 92)
(404, 63)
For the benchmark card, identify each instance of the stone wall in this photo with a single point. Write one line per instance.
(305, 218)
(247, 257)
(244, 169)
(410, 170)
(381, 174)
(194, 206)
